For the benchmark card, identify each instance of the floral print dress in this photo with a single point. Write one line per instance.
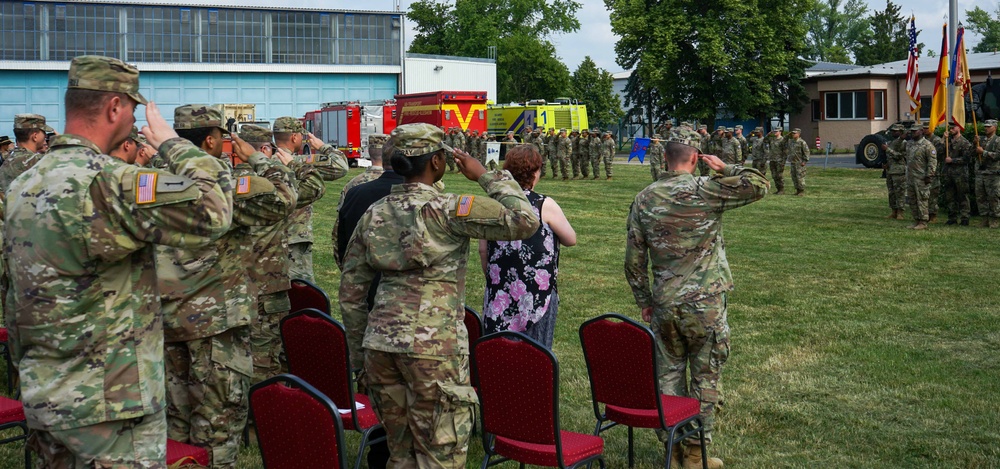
(521, 276)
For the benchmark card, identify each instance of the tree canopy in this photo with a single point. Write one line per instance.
(595, 87)
(887, 39)
(834, 29)
(987, 26)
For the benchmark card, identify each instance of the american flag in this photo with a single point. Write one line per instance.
(147, 188)
(912, 77)
(243, 185)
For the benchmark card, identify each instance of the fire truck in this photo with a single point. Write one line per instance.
(347, 125)
(463, 109)
(563, 113)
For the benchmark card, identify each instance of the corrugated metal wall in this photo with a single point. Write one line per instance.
(276, 95)
(458, 75)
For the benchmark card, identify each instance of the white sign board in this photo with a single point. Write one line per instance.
(493, 152)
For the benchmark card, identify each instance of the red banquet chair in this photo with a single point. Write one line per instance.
(474, 324)
(621, 361)
(5, 349)
(184, 453)
(518, 385)
(297, 425)
(316, 348)
(12, 416)
(305, 294)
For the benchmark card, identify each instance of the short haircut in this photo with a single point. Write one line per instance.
(678, 153)
(523, 161)
(283, 137)
(82, 103)
(197, 135)
(23, 135)
(408, 166)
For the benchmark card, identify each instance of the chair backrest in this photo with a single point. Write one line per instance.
(297, 426)
(305, 294)
(518, 384)
(316, 348)
(620, 355)
(474, 324)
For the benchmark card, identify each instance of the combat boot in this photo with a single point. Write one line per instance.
(676, 454)
(951, 221)
(932, 218)
(609, 178)
(922, 225)
(800, 193)
(994, 222)
(692, 459)
(894, 215)
(986, 222)
(964, 222)
(780, 192)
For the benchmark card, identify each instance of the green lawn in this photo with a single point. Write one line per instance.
(856, 342)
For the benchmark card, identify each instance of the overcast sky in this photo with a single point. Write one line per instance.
(596, 39)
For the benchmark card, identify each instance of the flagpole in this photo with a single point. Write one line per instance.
(952, 37)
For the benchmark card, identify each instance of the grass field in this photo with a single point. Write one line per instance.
(856, 342)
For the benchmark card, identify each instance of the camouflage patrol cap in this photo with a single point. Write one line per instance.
(913, 127)
(720, 128)
(31, 121)
(255, 134)
(140, 138)
(574, 132)
(585, 131)
(417, 139)
(895, 127)
(94, 72)
(702, 127)
(990, 123)
(594, 130)
(288, 124)
(5, 140)
(729, 130)
(738, 127)
(925, 125)
(657, 136)
(696, 144)
(199, 116)
(685, 124)
(134, 133)
(562, 131)
(376, 141)
(796, 130)
(758, 129)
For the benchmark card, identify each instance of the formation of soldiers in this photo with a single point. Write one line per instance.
(930, 172)
(172, 273)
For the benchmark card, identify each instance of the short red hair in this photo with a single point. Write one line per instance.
(523, 161)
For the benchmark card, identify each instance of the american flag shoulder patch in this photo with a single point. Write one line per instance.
(464, 205)
(243, 185)
(145, 190)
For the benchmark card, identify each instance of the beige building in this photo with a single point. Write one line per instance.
(846, 105)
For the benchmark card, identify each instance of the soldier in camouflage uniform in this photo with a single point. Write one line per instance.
(91, 364)
(331, 164)
(796, 151)
(208, 301)
(988, 175)
(539, 143)
(525, 134)
(776, 160)
(608, 148)
(744, 146)
(955, 176)
(758, 151)
(128, 149)
(705, 144)
(375, 143)
(686, 305)
(412, 345)
(935, 193)
(655, 156)
(449, 139)
(5, 146)
(595, 151)
(460, 140)
(564, 147)
(729, 148)
(895, 171)
(29, 131)
(271, 246)
(921, 165)
(574, 156)
(584, 157)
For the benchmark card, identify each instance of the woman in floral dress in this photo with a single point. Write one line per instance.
(521, 293)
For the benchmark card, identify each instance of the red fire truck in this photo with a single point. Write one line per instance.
(463, 109)
(347, 125)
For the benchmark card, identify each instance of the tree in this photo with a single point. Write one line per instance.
(703, 57)
(595, 87)
(887, 40)
(834, 31)
(519, 29)
(987, 26)
(644, 104)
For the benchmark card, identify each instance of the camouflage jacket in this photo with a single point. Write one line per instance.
(595, 147)
(330, 164)
(795, 150)
(729, 151)
(418, 238)
(774, 148)
(536, 140)
(675, 224)
(80, 232)
(459, 139)
(895, 156)
(757, 149)
(744, 147)
(205, 291)
(989, 162)
(564, 147)
(19, 161)
(552, 146)
(655, 154)
(608, 147)
(960, 152)
(584, 145)
(921, 158)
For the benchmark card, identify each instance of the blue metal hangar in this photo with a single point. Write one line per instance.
(285, 61)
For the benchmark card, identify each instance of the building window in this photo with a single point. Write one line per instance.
(854, 105)
(817, 110)
(878, 105)
(925, 107)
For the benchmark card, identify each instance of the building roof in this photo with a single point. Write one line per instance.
(411, 55)
(621, 75)
(232, 4)
(826, 67)
(977, 61)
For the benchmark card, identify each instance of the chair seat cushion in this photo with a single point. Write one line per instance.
(576, 447)
(366, 416)
(177, 451)
(676, 409)
(11, 410)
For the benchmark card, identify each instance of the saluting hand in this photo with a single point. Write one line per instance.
(241, 148)
(713, 162)
(314, 142)
(469, 166)
(156, 130)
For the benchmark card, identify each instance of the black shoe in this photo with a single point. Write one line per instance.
(965, 222)
(952, 222)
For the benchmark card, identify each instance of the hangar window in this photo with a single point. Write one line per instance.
(18, 31)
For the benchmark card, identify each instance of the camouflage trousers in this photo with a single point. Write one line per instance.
(918, 191)
(208, 386)
(118, 444)
(896, 185)
(935, 195)
(955, 191)
(545, 158)
(760, 164)
(798, 170)
(449, 158)
(265, 335)
(608, 164)
(655, 166)
(692, 337)
(425, 404)
(778, 174)
(564, 166)
(300, 261)
(988, 194)
(574, 160)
